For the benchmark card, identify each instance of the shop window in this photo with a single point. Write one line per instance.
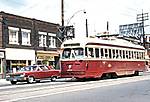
(13, 35)
(29, 62)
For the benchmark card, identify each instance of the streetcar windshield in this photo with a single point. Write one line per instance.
(66, 53)
(72, 53)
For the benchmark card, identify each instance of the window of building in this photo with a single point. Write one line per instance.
(52, 40)
(42, 39)
(13, 35)
(25, 36)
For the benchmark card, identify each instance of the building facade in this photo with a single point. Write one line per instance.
(25, 41)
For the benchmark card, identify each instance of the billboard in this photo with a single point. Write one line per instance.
(134, 30)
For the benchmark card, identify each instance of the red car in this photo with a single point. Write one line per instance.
(33, 73)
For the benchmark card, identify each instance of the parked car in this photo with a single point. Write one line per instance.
(33, 73)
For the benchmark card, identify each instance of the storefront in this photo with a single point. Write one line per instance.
(1, 64)
(49, 58)
(17, 58)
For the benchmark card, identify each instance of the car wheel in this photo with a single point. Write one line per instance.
(30, 79)
(13, 82)
(53, 78)
(38, 81)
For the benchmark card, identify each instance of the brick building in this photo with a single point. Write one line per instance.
(25, 41)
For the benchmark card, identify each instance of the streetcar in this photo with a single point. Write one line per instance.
(101, 57)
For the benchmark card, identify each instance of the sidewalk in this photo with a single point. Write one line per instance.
(3, 82)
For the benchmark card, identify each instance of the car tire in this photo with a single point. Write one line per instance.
(53, 78)
(38, 81)
(30, 79)
(13, 82)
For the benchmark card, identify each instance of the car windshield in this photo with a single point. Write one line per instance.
(28, 68)
(72, 53)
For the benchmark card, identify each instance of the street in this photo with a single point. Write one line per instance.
(132, 92)
(126, 89)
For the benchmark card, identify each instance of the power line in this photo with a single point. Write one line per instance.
(141, 18)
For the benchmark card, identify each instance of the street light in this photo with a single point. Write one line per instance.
(68, 21)
(65, 28)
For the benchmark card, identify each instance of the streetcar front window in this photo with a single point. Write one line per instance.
(66, 53)
(78, 52)
(72, 53)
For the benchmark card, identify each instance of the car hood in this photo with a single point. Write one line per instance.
(16, 73)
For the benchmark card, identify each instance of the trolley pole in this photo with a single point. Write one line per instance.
(141, 18)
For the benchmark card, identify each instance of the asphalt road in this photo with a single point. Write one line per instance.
(131, 92)
(128, 89)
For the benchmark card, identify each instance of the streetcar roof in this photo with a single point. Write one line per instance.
(111, 41)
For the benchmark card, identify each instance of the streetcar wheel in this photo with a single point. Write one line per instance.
(136, 73)
(30, 79)
(13, 82)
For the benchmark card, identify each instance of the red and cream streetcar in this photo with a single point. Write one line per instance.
(97, 57)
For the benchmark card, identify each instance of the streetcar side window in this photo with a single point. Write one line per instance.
(138, 55)
(114, 54)
(90, 52)
(117, 54)
(132, 54)
(123, 52)
(106, 53)
(86, 51)
(97, 52)
(127, 55)
(110, 55)
(102, 52)
(120, 54)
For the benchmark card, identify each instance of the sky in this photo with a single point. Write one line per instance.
(98, 12)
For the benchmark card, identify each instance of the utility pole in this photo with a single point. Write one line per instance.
(86, 28)
(62, 13)
(141, 18)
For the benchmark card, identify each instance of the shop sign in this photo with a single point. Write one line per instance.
(1, 54)
(45, 57)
